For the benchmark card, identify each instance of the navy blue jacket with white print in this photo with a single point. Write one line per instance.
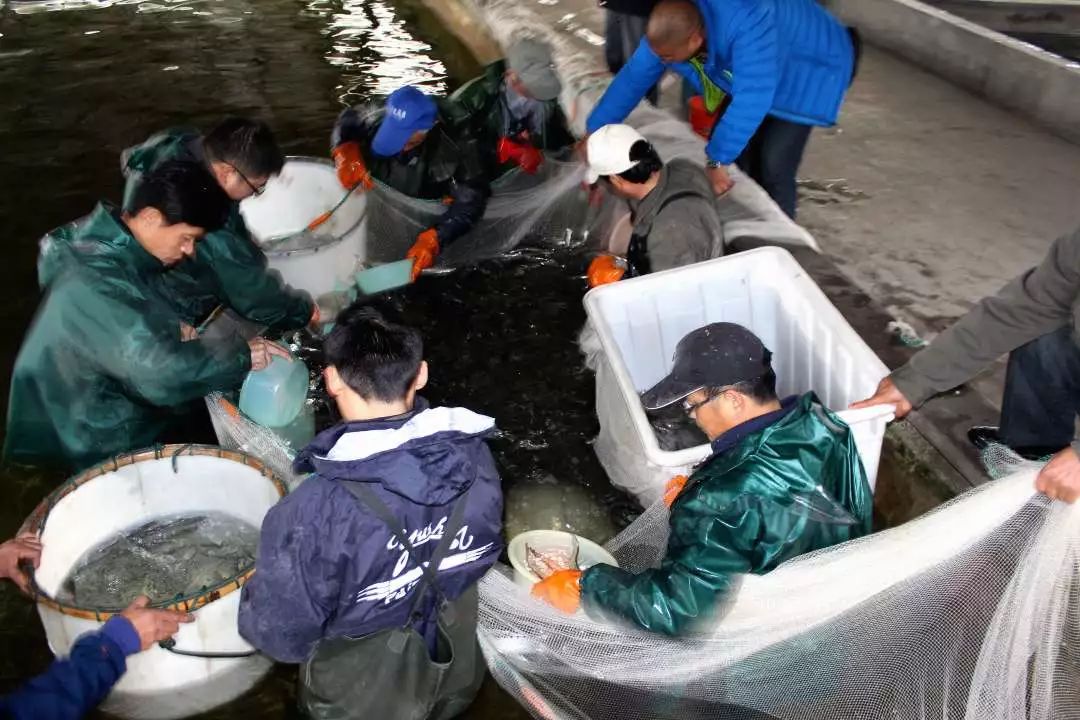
(329, 567)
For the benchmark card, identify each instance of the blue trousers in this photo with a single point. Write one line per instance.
(1042, 392)
(772, 159)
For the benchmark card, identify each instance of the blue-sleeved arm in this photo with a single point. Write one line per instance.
(75, 685)
(627, 89)
(755, 71)
(292, 595)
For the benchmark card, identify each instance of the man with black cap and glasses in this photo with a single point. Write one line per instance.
(784, 479)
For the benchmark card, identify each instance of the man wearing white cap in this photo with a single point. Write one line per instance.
(672, 206)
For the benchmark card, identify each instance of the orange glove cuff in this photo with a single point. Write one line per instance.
(424, 251)
(561, 590)
(605, 269)
(428, 241)
(673, 488)
(352, 172)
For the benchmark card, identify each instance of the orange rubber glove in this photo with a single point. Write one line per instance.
(605, 269)
(424, 251)
(525, 155)
(561, 590)
(351, 170)
(674, 486)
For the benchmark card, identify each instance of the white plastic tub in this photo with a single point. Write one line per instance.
(589, 553)
(306, 188)
(640, 321)
(114, 496)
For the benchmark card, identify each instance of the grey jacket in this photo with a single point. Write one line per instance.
(686, 229)
(1040, 301)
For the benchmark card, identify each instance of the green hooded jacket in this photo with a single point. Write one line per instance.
(102, 369)
(481, 104)
(794, 486)
(229, 268)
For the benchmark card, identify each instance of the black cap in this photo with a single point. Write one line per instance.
(716, 355)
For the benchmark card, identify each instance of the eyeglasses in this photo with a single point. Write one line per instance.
(691, 408)
(256, 191)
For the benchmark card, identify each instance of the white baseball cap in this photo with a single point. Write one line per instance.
(609, 150)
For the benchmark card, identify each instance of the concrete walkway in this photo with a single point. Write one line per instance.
(929, 198)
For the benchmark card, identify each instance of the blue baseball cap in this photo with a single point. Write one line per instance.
(407, 111)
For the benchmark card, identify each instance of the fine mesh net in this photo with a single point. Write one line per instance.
(235, 431)
(549, 206)
(968, 612)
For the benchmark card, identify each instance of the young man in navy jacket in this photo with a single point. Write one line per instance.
(327, 565)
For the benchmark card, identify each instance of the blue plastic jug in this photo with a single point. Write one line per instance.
(275, 395)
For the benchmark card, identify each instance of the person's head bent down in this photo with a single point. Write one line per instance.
(676, 31)
(176, 204)
(243, 155)
(531, 70)
(374, 367)
(409, 116)
(624, 160)
(723, 375)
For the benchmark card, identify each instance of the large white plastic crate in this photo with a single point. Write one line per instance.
(640, 321)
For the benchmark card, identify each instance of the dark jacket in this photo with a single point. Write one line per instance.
(775, 488)
(677, 223)
(75, 685)
(229, 267)
(640, 8)
(329, 567)
(448, 166)
(481, 104)
(1038, 302)
(103, 370)
(787, 58)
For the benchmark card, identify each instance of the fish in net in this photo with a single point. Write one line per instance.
(165, 558)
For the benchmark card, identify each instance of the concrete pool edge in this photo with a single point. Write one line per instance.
(1011, 73)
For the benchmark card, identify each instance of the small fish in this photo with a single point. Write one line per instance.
(546, 562)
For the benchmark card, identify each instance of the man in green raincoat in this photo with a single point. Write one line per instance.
(784, 479)
(109, 365)
(228, 268)
(514, 108)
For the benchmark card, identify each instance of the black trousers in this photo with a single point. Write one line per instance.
(1042, 393)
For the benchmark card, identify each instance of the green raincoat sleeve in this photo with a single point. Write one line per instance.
(246, 284)
(709, 547)
(144, 350)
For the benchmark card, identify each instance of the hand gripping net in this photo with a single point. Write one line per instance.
(968, 612)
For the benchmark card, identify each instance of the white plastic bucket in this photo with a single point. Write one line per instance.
(132, 489)
(589, 553)
(305, 189)
(640, 321)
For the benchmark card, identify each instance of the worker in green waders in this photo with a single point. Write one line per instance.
(228, 268)
(784, 479)
(109, 364)
(514, 107)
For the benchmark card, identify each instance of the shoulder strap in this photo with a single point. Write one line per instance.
(430, 570)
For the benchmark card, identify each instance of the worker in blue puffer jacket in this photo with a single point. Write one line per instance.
(767, 70)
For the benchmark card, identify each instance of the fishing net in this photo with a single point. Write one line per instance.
(968, 612)
(550, 206)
